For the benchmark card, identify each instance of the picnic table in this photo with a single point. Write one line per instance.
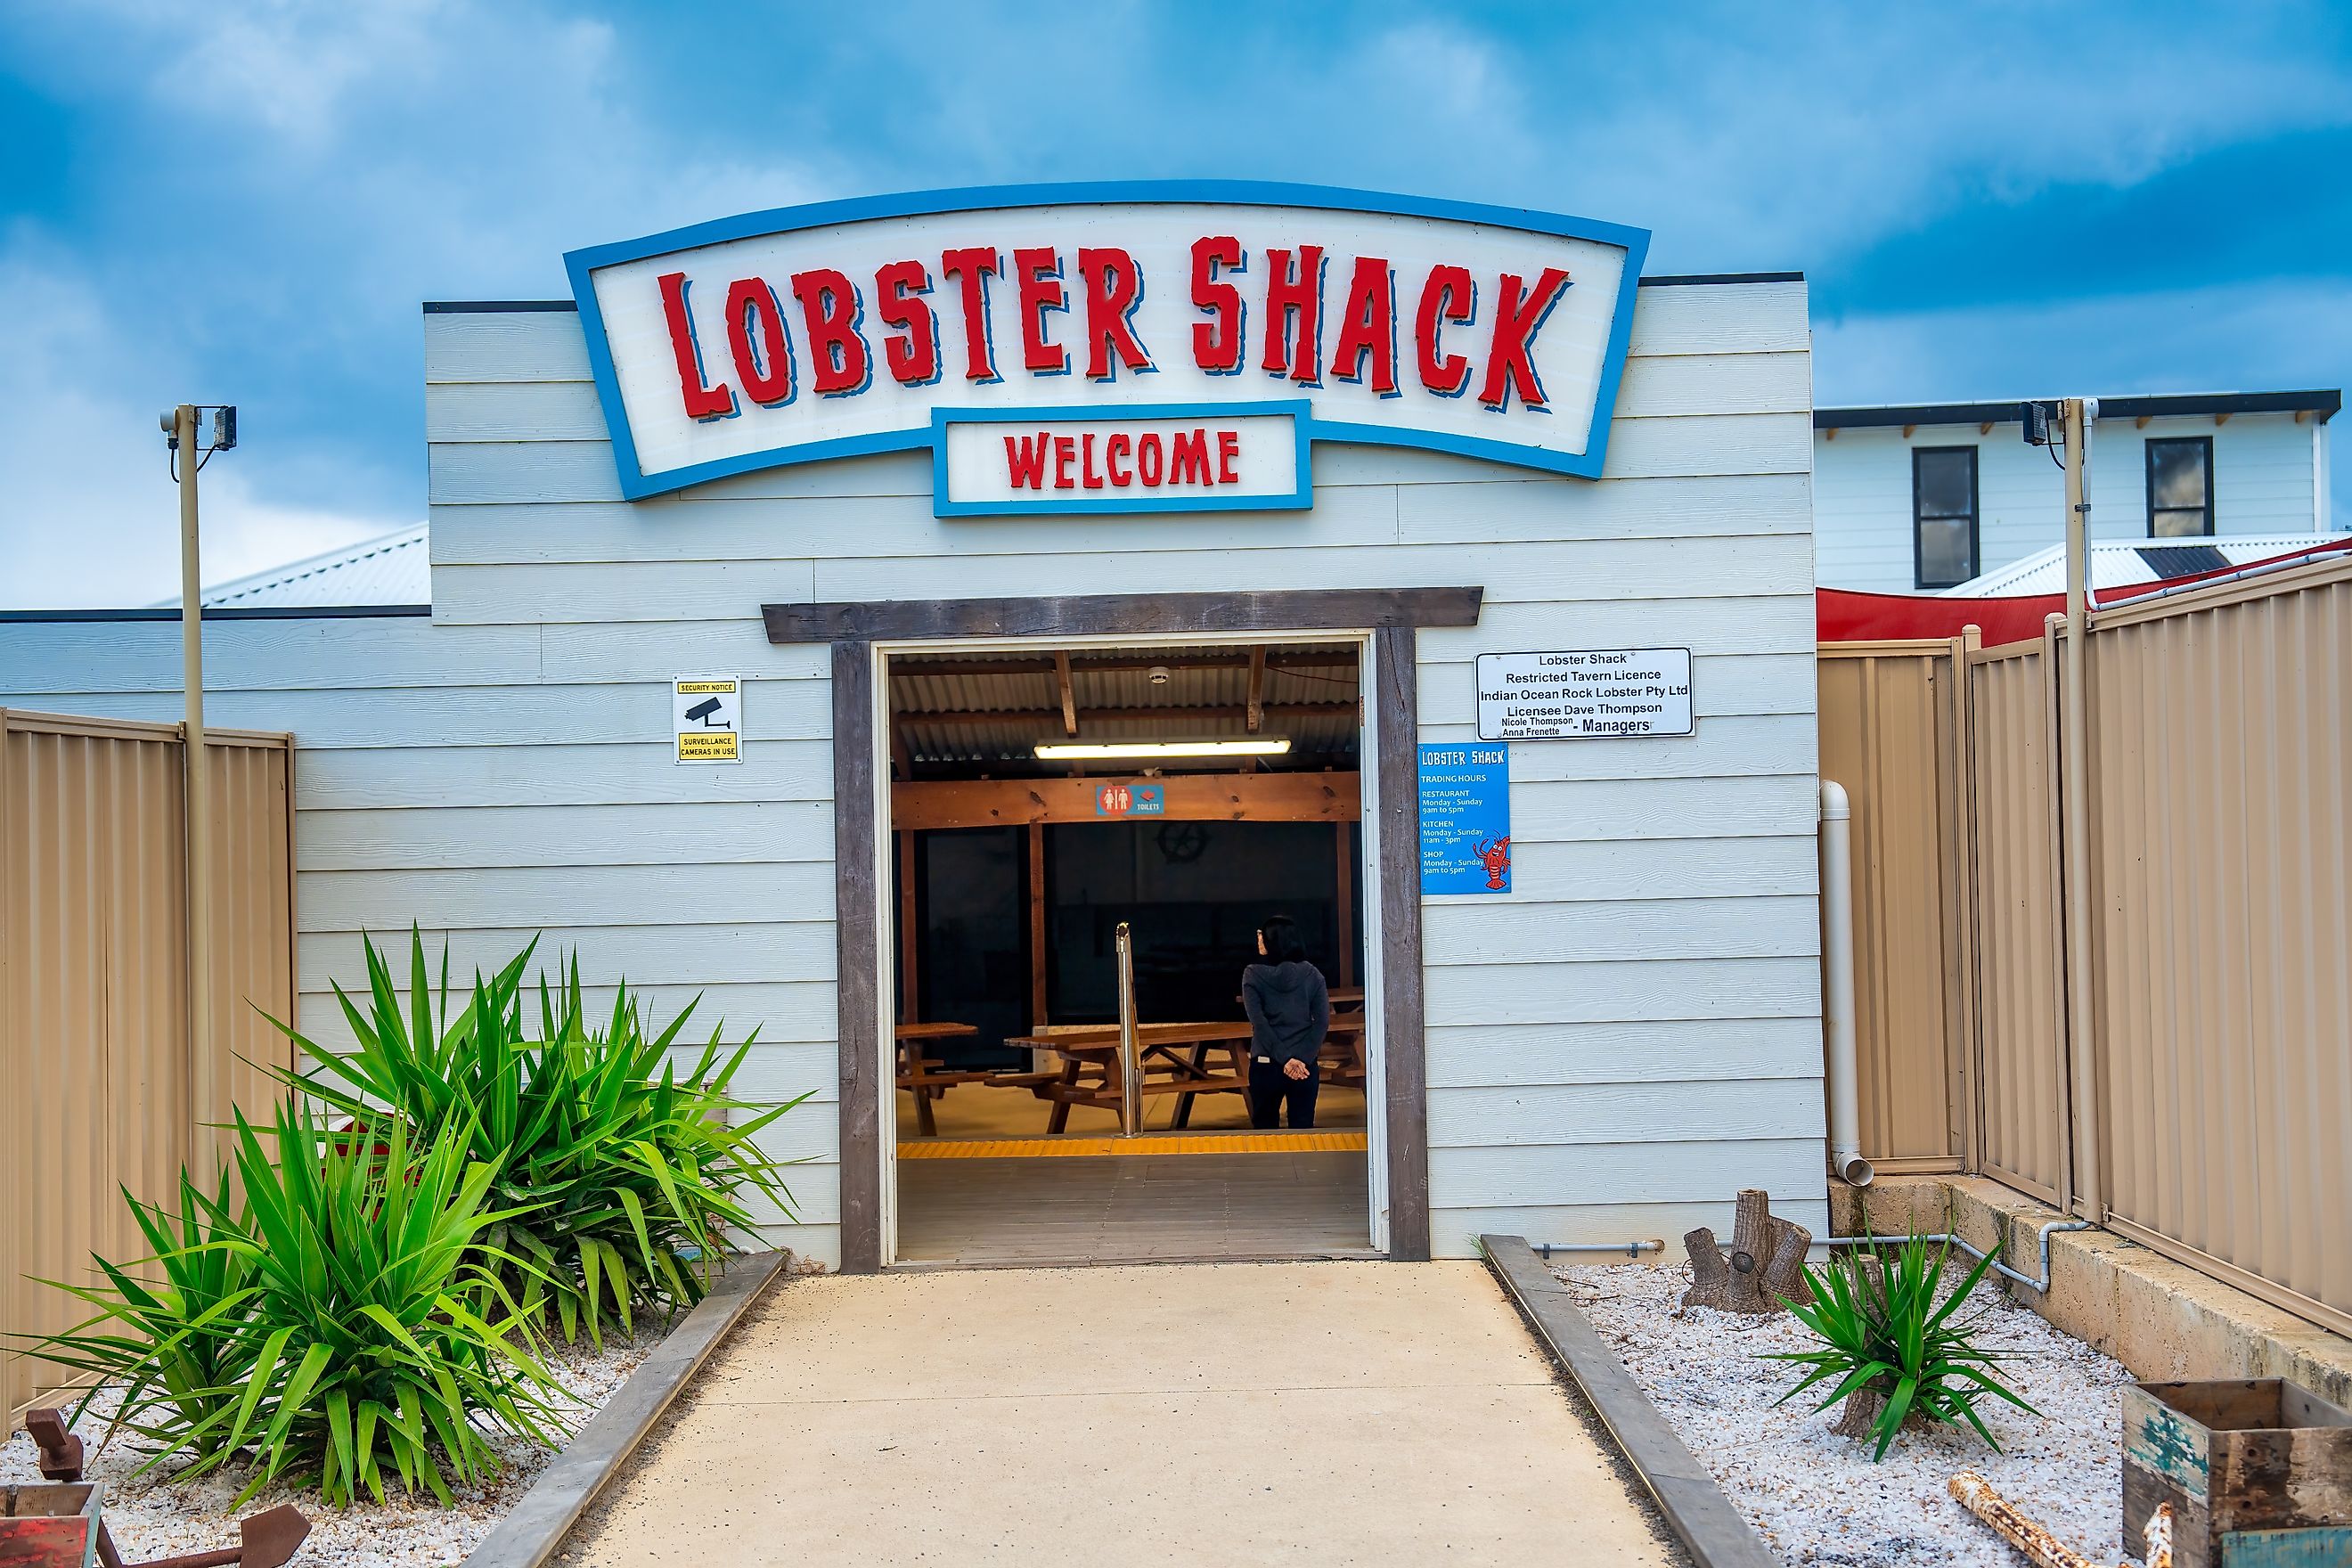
(925, 1075)
(1187, 1060)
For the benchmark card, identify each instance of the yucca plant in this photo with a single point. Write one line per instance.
(1885, 1336)
(339, 1328)
(622, 1175)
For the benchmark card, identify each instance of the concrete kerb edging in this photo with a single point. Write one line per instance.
(528, 1537)
(1695, 1508)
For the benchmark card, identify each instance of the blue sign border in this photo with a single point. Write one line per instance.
(636, 484)
(1300, 411)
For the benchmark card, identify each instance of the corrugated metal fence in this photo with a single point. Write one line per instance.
(98, 1086)
(2220, 906)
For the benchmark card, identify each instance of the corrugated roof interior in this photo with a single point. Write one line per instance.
(983, 715)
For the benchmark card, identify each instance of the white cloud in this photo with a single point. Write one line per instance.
(88, 515)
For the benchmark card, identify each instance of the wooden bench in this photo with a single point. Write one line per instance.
(926, 1076)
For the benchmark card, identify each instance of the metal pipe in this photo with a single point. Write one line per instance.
(1946, 1238)
(204, 1096)
(1544, 1249)
(1130, 1060)
(2075, 722)
(1846, 1162)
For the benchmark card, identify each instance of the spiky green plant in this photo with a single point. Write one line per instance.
(1884, 1331)
(623, 1174)
(337, 1325)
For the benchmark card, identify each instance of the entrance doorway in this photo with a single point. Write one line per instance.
(1084, 841)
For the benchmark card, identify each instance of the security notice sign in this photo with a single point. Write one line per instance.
(707, 716)
(1585, 694)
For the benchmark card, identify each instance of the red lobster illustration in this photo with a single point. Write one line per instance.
(1495, 854)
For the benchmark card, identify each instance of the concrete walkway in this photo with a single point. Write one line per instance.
(1319, 1413)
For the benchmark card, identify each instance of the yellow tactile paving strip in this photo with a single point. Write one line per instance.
(1338, 1142)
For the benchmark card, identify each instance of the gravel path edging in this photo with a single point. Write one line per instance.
(1695, 1508)
(528, 1537)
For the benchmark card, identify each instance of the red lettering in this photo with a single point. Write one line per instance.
(1119, 445)
(1517, 320)
(830, 305)
(1064, 450)
(1217, 342)
(973, 267)
(703, 401)
(1038, 271)
(913, 359)
(1086, 475)
(1293, 304)
(1189, 454)
(1448, 296)
(765, 366)
(1024, 461)
(1368, 325)
(1149, 460)
(1114, 286)
(1229, 451)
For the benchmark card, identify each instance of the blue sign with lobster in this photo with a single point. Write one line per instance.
(1465, 818)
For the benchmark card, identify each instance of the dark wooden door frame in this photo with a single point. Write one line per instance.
(1393, 616)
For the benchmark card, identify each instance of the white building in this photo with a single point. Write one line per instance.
(1927, 495)
(1592, 1016)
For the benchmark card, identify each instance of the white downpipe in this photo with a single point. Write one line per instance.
(1837, 986)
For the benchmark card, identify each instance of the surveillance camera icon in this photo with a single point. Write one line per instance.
(702, 714)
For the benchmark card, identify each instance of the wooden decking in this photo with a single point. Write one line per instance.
(1132, 1208)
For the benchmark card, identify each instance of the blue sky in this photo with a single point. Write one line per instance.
(247, 203)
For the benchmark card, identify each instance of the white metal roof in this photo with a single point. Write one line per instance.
(2123, 563)
(391, 569)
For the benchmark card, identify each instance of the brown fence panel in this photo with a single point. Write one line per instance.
(2019, 994)
(1890, 735)
(2223, 925)
(94, 1061)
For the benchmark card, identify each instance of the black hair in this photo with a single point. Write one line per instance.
(1282, 943)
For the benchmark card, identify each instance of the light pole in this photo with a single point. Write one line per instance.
(190, 453)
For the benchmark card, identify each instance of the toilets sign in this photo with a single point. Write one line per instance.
(1108, 348)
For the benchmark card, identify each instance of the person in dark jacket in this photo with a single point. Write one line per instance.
(1290, 1011)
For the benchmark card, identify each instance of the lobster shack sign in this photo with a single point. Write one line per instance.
(1108, 348)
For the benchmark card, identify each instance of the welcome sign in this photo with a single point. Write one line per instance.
(1108, 348)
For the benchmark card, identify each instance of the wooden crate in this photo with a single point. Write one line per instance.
(48, 1526)
(2259, 1473)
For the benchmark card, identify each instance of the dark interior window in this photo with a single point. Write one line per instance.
(2180, 487)
(1944, 515)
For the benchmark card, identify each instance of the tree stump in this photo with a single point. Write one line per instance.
(1766, 1266)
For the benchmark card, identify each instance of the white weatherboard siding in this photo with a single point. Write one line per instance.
(2264, 482)
(1614, 1048)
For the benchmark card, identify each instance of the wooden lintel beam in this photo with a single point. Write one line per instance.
(1069, 697)
(1274, 611)
(1256, 702)
(1188, 797)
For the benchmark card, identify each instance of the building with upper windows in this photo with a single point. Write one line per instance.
(1925, 497)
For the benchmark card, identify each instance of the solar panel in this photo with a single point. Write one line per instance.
(2170, 561)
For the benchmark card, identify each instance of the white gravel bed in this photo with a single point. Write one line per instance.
(1814, 1497)
(152, 1519)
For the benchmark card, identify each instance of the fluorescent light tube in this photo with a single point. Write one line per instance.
(1073, 751)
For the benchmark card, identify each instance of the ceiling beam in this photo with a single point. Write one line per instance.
(1256, 690)
(1185, 797)
(1046, 717)
(1069, 697)
(1081, 664)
